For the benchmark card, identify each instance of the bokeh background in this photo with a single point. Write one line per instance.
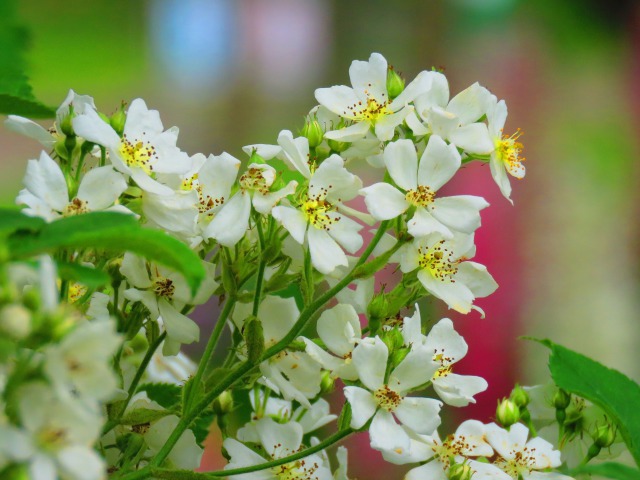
(230, 73)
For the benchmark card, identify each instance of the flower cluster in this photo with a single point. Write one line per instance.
(280, 234)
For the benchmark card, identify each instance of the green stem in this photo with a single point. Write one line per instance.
(246, 366)
(210, 348)
(136, 380)
(261, 266)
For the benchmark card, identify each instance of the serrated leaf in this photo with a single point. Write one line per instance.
(609, 389)
(201, 426)
(12, 220)
(164, 394)
(88, 276)
(114, 232)
(12, 105)
(616, 471)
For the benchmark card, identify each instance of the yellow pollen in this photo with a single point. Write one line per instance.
(76, 291)
(508, 150)
(75, 207)
(439, 262)
(137, 154)
(316, 211)
(422, 196)
(205, 202)
(370, 112)
(522, 461)
(387, 399)
(253, 179)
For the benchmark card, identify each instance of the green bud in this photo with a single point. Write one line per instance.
(338, 146)
(223, 404)
(379, 306)
(392, 339)
(72, 185)
(15, 321)
(255, 158)
(561, 399)
(604, 436)
(118, 119)
(398, 355)
(519, 396)
(395, 83)
(228, 278)
(507, 413)
(344, 420)
(254, 338)
(60, 148)
(460, 471)
(327, 383)
(313, 131)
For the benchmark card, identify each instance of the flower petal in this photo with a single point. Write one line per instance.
(370, 359)
(363, 405)
(401, 160)
(384, 201)
(422, 415)
(473, 138)
(438, 163)
(460, 213)
(326, 254)
(232, 221)
(101, 187)
(292, 220)
(386, 434)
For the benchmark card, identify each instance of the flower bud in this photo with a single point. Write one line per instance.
(15, 321)
(254, 338)
(395, 83)
(519, 396)
(60, 148)
(66, 125)
(313, 131)
(561, 399)
(338, 146)
(327, 383)
(604, 436)
(393, 339)
(379, 306)
(507, 413)
(460, 471)
(118, 119)
(223, 404)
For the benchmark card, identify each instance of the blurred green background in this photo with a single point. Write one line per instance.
(230, 73)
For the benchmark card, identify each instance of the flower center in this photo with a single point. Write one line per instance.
(205, 202)
(76, 291)
(508, 150)
(298, 470)
(422, 196)
(316, 210)
(253, 179)
(75, 207)
(522, 461)
(372, 111)
(387, 398)
(439, 262)
(445, 363)
(164, 287)
(137, 154)
(51, 438)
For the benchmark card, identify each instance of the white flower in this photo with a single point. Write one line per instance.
(277, 441)
(444, 271)
(418, 184)
(449, 347)
(339, 329)
(317, 219)
(145, 148)
(367, 104)
(520, 458)
(174, 369)
(186, 454)
(385, 400)
(47, 194)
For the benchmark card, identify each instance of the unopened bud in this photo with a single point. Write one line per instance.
(561, 399)
(118, 119)
(604, 436)
(223, 404)
(66, 125)
(507, 413)
(393, 339)
(327, 383)
(338, 146)
(254, 338)
(379, 306)
(519, 396)
(15, 321)
(395, 83)
(313, 131)
(460, 471)
(60, 148)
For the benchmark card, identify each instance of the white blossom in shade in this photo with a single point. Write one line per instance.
(232, 220)
(164, 293)
(384, 402)
(186, 454)
(318, 220)
(341, 472)
(15, 444)
(448, 347)
(367, 103)
(444, 271)
(277, 441)
(358, 297)
(62, 434)
(46, 194)
(522, 459)
(82, 360)
(418, 184)
(292, 374)
(339, 329)
(144, 150)
(174, 369)
(29, 128)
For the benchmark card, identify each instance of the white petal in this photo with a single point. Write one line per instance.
(386, 434)
(436, 96)
(458, 390)
(422, 415)
(180, 328)
(217, 175)
(401, 160)
(363, 405)
(80, 463)
(470, 104)
(460, 213)
(279, 439)
(265, 151)
(279, 315)
(455, 295)
(345, 232)
(42, 467)
(177, 212)
(339, 329)
(45, 179)
(442, 122)
(444, 339)
(369, 79)
(148, 184)
(370, 360)
(412, 328)
(338, 99)
(476, 278)
(101, 187)
(265, 203)
(29, 128)
(349, 134)
(423, 223)
(328, 362)
(296, 151)
(134, 268)
(416, 126)
(242, 456)
(487, 471)
(383, 201)
(499, 174)
(91, 127)
(438, 163)
(141, 121)
(418, 86)
(385, 126)
(331, 176)
(432, 470)
(232, 220)
(326, 254)
(473, 138)
(496, 118)
(472, 431)
(293, 220)
(507, 443)
(416, 369)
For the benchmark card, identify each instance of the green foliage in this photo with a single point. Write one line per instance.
(109, 231)
(612, 391)
(12, 220)
(616, 471)
(16, 96)
(88, 276)
(166, 395)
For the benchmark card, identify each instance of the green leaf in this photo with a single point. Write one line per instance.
(201, 426)
(612, 391)
(114, 232)
(140, 416)
(12, 220)
(616, 471)
(25, 107)
(88, 276)
(166, 395)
